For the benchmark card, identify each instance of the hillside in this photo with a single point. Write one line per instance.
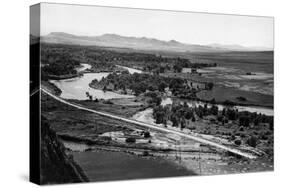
(56, 166)
(141, 43)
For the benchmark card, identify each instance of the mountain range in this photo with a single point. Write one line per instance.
(140, 43)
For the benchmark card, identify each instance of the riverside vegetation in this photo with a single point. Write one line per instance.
(162, 76)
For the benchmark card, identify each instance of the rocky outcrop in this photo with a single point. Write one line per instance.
(56, 165)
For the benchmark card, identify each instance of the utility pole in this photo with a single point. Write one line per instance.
(176, 149)
(179, 151)
(199, 160)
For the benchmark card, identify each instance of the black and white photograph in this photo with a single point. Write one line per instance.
(126, 93)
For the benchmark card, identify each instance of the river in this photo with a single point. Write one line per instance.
(131, 70)
(262, 110)
(76, 88)
(102, 165)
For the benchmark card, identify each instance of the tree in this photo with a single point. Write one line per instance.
(244, 121)
(231, 114)
(214, 110)
(155, 100)
(177, 68)
(152, 87)
(174, 121)
(213, 101)
(146, 134)
(130, 140)
(139, 88)
(223, 112)
(237, 142)
(271, 124)
(220, 118)
(252, 141)
(193, 119)
(182, 123)
(145, 153)
(162, 86)
(175, 83)
(256, 121)
(209, 85)
(162, 69)
(188, 113)
(165, 122)
(159, 114)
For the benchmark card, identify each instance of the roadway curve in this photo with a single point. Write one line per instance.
(198, 139)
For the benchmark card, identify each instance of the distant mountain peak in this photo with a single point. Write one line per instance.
(141, 43)
(60, 34)
(174, 42)
(110, 35)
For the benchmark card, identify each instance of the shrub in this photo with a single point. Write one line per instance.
(232, 137)
(271, 124)
(252, 141)
(225, 120)
(263, 137)
(242, 135)
(220, 118)
(244, 121)
(130, 140)
(192, 128)
(145, 153)
(193, 119)
(241, 98)
(146, 134)
(237, 142)
(108, 102)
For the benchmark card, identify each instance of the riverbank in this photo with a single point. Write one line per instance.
(218, 131)
(84, 128)
(221, 96)
(246, 106)
(266, 110)
(114, 106)
(108, 92)
(207, 126)
(62, 77)
(100, 69)
(136, 106)
(51, 87)
(90, 126)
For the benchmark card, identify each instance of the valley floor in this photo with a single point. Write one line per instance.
(98, 133)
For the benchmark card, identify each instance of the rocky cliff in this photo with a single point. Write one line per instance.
(56, 165)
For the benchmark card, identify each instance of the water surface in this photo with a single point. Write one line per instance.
(108, 165)
(76, 88)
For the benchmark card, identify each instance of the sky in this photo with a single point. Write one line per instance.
(186, 27)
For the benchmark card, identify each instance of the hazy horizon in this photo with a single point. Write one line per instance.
(184, 27)
(155, 38)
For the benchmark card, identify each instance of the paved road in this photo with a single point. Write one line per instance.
(155, 127)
